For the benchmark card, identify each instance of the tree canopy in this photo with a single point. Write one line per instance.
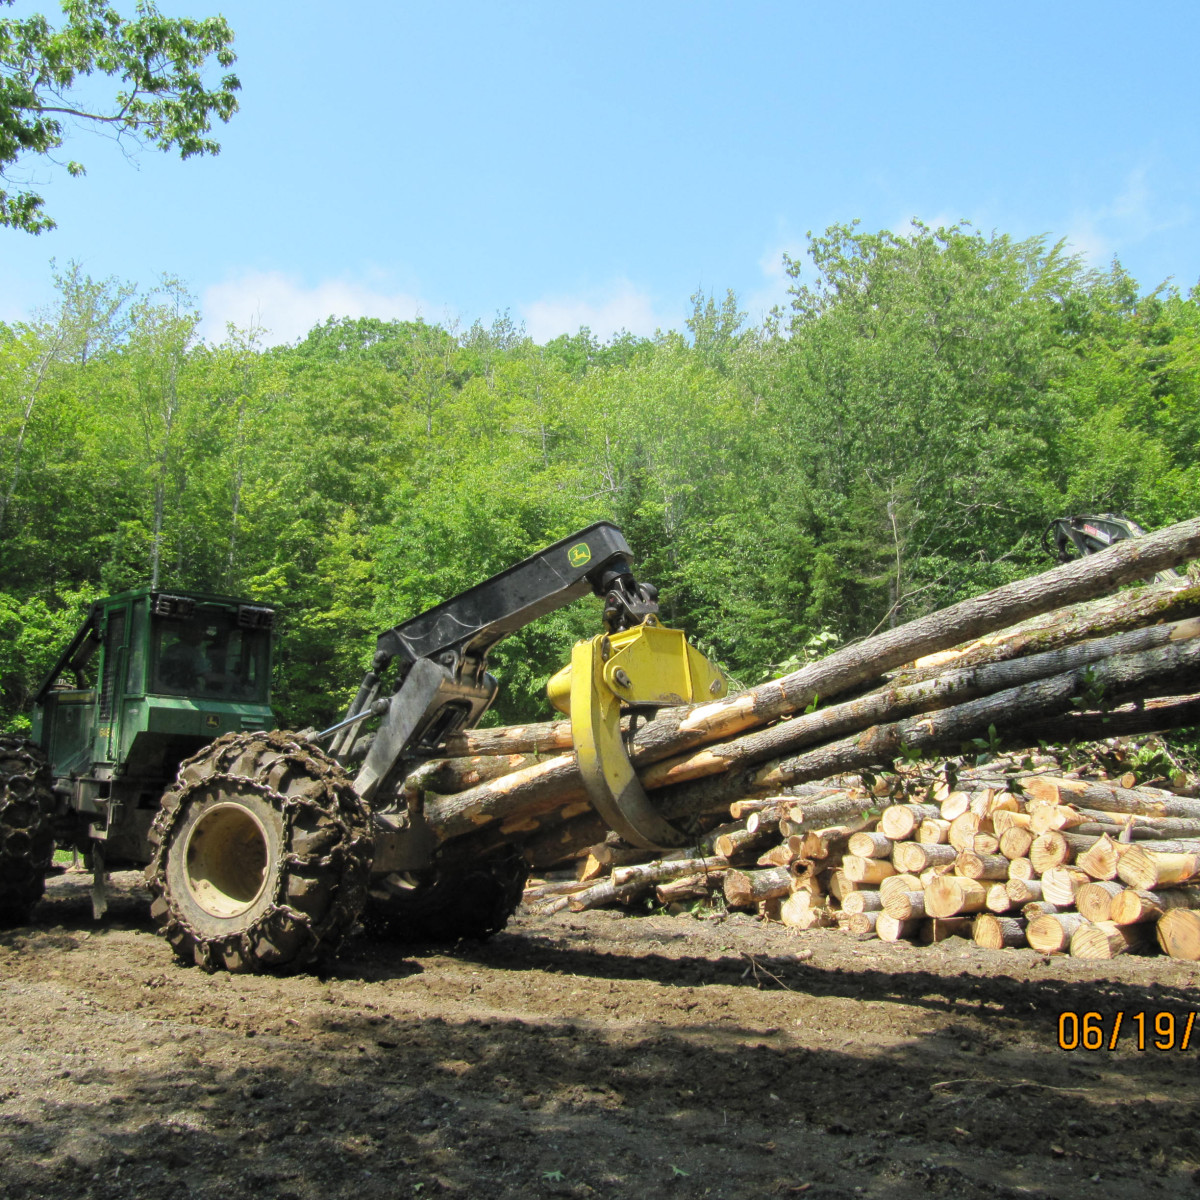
(895, 441)
(162, 99)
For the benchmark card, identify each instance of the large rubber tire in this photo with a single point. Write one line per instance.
(262, 852)
(26, 826)
(450, 903)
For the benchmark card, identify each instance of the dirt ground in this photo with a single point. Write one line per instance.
(596, 1055)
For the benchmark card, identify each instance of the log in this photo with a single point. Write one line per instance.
(1016, 842)
(934, 831)
(1060, 885)
(639, 879)
(952, 896)
(871, 871)
(1105, 797)
(1051, 934)
(915, 857)
(1100, 861)
(999, 933)
(964, 828)
(690, 887)
(1094, 900)
(862, 924)
(904, 906)
(1148, 870)
(1038, 908)
(864, 901)
(743, 842)
(998, 899)
(888, 929)
(977, 866)
(1006, 819)
(809, 918)
(900, 822)
(1050, 849)
(1146, 606)
(1022, 891)
(1133, 906)
(823, 843)
(1178, 933)
(984, 844)
(1021, 868)
(841, 809)
(1105, 940)
(951, 726)
(1054, 816)
(902, 882)
(744, 889)
(870, 845)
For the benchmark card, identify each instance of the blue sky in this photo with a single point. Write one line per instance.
(597, 164)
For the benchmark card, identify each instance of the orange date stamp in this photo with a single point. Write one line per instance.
(1143, 1030)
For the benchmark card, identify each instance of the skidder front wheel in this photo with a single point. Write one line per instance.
(262, 854)
(26, 826)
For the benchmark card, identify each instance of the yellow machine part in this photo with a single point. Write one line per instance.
(647, 665)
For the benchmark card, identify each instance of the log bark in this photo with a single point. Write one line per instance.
(1095, 900)
(1133, 906)
(905, 906)
(864, 901)
(999, 933)
(1147, 870)
(888, 929)
(869, 871)
(1104, 797)
(1022, 891)
(1051, 934)
(915, 857)
(982, 867)
(1105, 940)
(952, 896)
(744, 889)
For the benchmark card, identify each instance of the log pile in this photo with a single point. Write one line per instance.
(1011, 853)
(1065, 656)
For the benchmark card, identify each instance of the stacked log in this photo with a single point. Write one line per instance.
(893, 888)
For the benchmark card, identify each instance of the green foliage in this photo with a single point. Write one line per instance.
(937, 397)
(162, 99)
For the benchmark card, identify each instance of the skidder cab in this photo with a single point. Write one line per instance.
(150, 678)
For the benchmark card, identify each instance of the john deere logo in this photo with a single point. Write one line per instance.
(579, 556)
(212, 721)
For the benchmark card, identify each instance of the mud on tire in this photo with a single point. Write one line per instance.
(473, 900)
(26, 826)
(262, 852)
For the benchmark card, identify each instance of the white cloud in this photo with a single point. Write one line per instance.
(604, 312)
(1132, 216)
(287, 308)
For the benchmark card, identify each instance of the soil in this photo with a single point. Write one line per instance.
(583, 1055)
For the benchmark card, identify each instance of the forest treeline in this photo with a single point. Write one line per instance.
(896, 439)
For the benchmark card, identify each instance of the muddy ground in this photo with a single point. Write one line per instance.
(597, 1055)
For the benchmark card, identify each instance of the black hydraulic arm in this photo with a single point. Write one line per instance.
(442, 654)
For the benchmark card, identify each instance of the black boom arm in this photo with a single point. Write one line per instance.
(441, 655)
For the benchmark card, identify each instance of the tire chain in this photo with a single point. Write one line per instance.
(347, 865)
(27, 807)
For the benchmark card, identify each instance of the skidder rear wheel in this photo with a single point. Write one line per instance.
(454, 901)
(26, 826)
(262, 851)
